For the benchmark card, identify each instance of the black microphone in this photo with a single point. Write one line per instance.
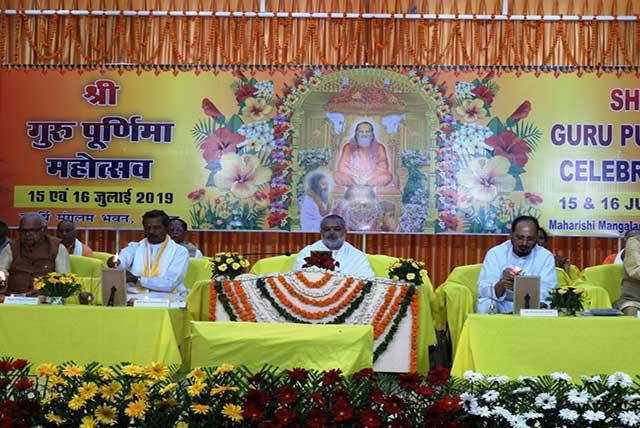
(112, 296)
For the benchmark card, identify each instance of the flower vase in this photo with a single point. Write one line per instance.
(566, 312)
(55, 300)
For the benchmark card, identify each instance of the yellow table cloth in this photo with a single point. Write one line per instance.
(59, 333)
(319, 347)
(199, 300)
(514, 346)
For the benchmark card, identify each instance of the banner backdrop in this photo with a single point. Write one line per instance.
(391, 151)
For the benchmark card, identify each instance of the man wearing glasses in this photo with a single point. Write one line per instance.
(32, 255)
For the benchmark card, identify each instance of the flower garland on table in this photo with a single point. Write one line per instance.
(415, 307)
(238, 300)
(315, 315)
(313, 284)
(380, 328)
(213, 296)
(377, 320)
(222, 296)
(262, 288)
(304, 299)
(396, 322)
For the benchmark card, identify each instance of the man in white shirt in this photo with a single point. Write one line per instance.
(518, 256)
(68, 234)
(333, 232)
(156, 266)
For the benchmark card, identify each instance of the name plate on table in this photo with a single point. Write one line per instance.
(151, 303)
(538, 312)
(21, 300)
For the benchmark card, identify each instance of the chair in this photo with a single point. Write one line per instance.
(89, 270)
(458, 295)
(102, 256)
(608, 277)
(199, 269)
(274, 265)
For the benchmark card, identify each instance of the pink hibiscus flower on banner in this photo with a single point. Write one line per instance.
(242, 175)
(486, 177)
(471, 110)
(220, 142)
(510, 146)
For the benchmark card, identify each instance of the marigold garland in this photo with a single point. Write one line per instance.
(313, 302)
(377, 319)
(225, 301)
(393, 310)
(248, 310)
(212, 301)
(313, 284)
(415, 308)
(396, 322)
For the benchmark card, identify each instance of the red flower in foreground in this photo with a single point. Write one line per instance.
(316, 418)
(23, 384)
(257, 396)
(298, 374)
(363, 374)
(287, 394)
(439, 375)
(253, 411)
(285, 415)
(19, 364)
(341, 411)
(510, 146)
(521, 112)
(393, 405)
(484, 93)
(409, 380)
(370, 418)
(377, 396)
(6, 366)
(331, 376)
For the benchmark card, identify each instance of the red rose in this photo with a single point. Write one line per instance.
(370, 418)
(439, 375)
(245, 91)
(484, 93)
(287, 394)
(210, 109)
(510, 146)
(341, 411)
(521, 112)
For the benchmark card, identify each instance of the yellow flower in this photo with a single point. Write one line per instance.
(132, 370)
(109, 392)
(244, 263)
(182, 425)
(38, 285)
(222, 267)
(227, 254)
(168, 388)
(562, 291)
(222, 388)
(196, 389)
(471, 110)
(411, 276)
(423, 272)
(157, 371)
(138, 389)
(233, 412)
(217, 259)
(136, 409)
(106, 415)
(77, 402)
(255, 109)
(415, 265)
(50, 398)
(395, 278)
(235, 266)
(88, 390)
(47, 369)
(73, 370)
(200, 409)
(196, 374)
(224, 368)
(53, 418)
(88, 422)
(106, 373)
(229, 261)
(57, 380)
(169, 402)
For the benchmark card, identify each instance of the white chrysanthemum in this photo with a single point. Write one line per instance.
(468, 401)
(619, 378)
(599, 397)
(482, 411)
(578, 397)
(590, 379)
(560, 376)
(522, 390)
(629, 418)
(518, 421)
(501, 411)
(532, 415)
(632, 397)
(546, 401)
(473, 377)
(523, 378)
(592, 416)
(497, 379)
(491, 395)
(568, 415)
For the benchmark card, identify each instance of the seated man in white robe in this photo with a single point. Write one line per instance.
(518, 256)
(333, 231)
(156, 266)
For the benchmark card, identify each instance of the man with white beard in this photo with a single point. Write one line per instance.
(314, 205)
(363, 161)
